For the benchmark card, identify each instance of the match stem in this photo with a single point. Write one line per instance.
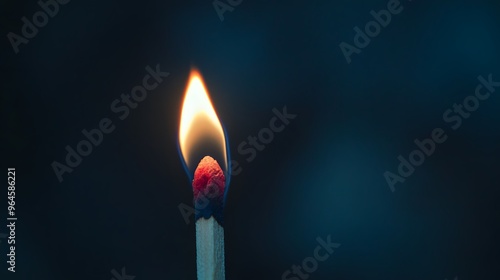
(210, 249)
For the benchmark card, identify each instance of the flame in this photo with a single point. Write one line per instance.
(201, 133)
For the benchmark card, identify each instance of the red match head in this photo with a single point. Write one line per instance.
(209, 181)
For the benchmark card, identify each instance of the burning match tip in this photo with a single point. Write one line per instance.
(207, 174)
(208, 188)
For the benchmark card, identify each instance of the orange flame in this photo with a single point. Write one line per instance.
(200, 130)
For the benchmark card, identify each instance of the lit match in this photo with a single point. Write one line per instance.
(204, 153)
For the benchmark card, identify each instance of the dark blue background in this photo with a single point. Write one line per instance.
(323, 175)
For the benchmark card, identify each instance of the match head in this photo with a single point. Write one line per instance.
(208, 188)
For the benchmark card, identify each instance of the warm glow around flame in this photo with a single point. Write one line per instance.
(199, 123)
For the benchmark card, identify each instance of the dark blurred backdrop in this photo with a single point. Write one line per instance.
(321, 176)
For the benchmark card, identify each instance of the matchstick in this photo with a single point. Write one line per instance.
(210, 249)
(208, 189)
